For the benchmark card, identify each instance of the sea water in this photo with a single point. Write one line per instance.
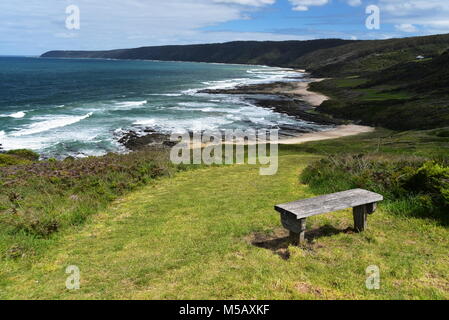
(81, 107)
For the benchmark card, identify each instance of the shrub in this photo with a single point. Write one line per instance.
(443, 133)
(423, 184)
(11, 160)
(32, 222)
(24, 154)
(432, 179)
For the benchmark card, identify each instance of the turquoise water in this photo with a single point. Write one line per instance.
(81, 107)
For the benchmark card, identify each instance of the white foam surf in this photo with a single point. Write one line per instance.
(29, 142)
(16, 115)
(46, 125)
(181, 125)
(196, 104)
(255, 76)
(166, 94)
(131, 104)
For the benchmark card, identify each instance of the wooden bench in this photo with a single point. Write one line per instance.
(295, 214)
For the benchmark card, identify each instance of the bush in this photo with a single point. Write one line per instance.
(421, 183)
(32, 223)
(443, 133)
(431, 179)
(11, 160)
(24, 154)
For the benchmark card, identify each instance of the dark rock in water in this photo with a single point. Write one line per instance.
(134, 141)
(170, 144)
(297, 109)
(293, 130)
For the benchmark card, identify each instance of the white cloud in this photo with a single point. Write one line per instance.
(354, 3)
(405, 7)
(430, 15)
(406, 27)
(303, 5)
(254, 3)
(39, 25)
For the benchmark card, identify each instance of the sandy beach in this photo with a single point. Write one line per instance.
(313, 98)
(338, 132)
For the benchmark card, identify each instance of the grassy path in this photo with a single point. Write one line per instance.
(194, 237)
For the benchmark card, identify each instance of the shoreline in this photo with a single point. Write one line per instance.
(288, 97)
(293, 98)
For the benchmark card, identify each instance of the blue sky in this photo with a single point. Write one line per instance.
(34, 26)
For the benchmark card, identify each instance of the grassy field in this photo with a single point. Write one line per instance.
(212, 233)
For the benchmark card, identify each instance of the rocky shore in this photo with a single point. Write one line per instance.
(135, 141)
(291, 98)
(282, 97)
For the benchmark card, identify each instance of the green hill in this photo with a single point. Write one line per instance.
(406, 96)
(324, 57)
(374, 55)
(399, 84)
(430, 76)
(272, 53)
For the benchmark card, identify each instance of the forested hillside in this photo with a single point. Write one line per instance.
(406, 96)
(325, 57)
(284, 54)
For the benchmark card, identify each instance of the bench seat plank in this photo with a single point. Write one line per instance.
(329, 203)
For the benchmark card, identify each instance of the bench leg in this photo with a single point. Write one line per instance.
(371, 208)
(360, 218)
(299, 238)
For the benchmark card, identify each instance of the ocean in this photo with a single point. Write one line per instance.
(81, 107)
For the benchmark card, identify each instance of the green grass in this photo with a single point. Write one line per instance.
(10, 160)
(381, 95)
(349, 82)
(339, 87)
(425, 143)
(212, 233)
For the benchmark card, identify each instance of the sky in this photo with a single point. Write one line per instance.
(33, 27)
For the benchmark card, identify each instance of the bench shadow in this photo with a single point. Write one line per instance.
(326, 231)
(279, 241)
